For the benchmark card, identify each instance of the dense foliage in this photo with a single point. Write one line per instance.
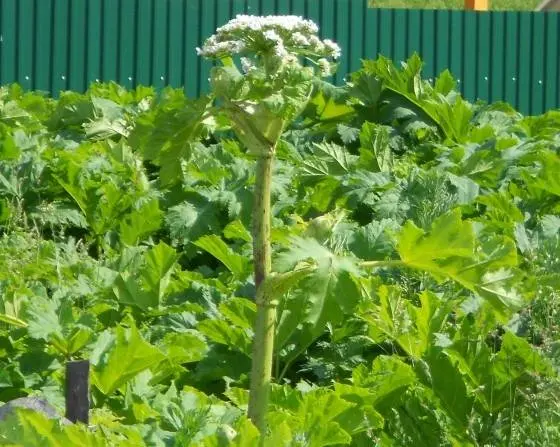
(430, 316)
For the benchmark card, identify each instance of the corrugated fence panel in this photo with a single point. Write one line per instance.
(55, 45)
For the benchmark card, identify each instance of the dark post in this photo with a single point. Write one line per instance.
(77, 391)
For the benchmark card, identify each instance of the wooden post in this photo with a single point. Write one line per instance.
(476, 5)
(77, 391)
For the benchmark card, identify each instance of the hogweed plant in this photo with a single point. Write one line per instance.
(260, 100)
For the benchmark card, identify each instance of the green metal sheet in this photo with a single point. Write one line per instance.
(328, 21)
(298, 8)
(456, 51)
(77, 45)
(428, 42)
(25, 23)
(511, 60)
(159, 44)
(177, 37)
(208, 27)
(43, 31)
(413, 33)
(552, 62)
(470, 44)
(342, 37)
(356, 26)
(537, 64)
(192, 41)
(109, 32)
(524, 79)
(496, 72)
(399, 52)
(93, 41)
(127, 47)
(314, 10)
(371, 46)
(9, 48)
(495, 56)
(253, 7)
(483, 51)
(60, 65)
(386, 32)
(442, 46)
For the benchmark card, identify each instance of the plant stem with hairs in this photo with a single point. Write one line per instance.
(263, 343)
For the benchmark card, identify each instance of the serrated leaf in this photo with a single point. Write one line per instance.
(548, 178)
(188, 221)
(347, 134)
(375, 138)
(550, 225)
(448, 252)
(449, 237)
(388, 375)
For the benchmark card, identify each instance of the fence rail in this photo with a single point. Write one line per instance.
(55, 45)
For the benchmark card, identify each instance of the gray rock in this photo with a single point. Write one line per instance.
(32, 403)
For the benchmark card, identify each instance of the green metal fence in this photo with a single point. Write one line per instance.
(66, 44)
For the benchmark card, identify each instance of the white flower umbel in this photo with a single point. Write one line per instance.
(273, 40)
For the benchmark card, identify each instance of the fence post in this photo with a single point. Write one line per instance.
(476, 5)
(77, 391)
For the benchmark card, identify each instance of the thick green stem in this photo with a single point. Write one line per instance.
(263, 342)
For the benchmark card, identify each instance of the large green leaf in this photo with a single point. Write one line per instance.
(119, 355)
(449, 386)
(324, 295)
(449, 237)
(235, 263)
(387, 376)
(145, 286)
(59, 324)
(140, 223)
(450, 251)
(31, 429)
(312, 417)
(375, 139)
(165, 133)
(222, 332)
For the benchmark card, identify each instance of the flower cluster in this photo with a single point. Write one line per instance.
(275, 40)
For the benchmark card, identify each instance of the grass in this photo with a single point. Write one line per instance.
(513, 5)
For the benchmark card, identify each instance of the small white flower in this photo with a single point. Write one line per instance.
(300, 39)
(324, 67)
(213, 48)
(291, 59)
(280, 51)
(247, 64)
(316, 45)
(333, 48)
(272, 36)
